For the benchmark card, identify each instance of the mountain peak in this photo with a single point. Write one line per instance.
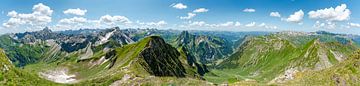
(156, 40)
(161, 59)
(46, 29)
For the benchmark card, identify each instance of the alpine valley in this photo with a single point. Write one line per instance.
(123, 57)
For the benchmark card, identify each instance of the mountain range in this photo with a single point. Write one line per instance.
(119, 57)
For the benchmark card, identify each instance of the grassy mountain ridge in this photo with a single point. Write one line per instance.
(150, 58)
(141, 60)
(267, 58)
(280, 58)
(344, 73)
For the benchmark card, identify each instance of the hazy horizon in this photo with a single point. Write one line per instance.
(214, 15)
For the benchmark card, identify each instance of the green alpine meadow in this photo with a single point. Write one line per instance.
(179, 43)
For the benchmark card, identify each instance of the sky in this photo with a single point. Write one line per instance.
(338, 16)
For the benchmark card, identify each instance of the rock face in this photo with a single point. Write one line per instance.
(204, 48)
(161, 59)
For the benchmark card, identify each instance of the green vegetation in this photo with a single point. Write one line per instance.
(22, 54)
(11, 76)
(262, 59)
(344, 73)
(205, 49)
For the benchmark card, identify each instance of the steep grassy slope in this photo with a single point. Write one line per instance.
(143, 62)
(10, 75)
(344, 73)
(140, 62)
(22, 54)
(274, 58)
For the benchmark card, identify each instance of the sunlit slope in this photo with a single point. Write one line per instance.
(149, 59)
(267, 59)
(10, 75)
(344, 73)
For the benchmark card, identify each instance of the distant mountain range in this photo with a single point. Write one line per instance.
(120, 57)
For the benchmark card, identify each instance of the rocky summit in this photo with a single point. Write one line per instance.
(161, 59)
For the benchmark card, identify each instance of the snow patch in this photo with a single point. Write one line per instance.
(106, 38)
(59, 76)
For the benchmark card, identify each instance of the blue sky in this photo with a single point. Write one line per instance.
(228, 15)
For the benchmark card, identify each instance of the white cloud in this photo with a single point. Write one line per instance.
(202, 24)
(340, 13)
(73, 20)
(107, 19)
(227, 24)
(355, 25)
(154, 24)
(40, 16)
(197, 23)
(297, 17)
(41, 9)
(200, 10)
(252, 24)
(327, 25)
(178, 6)
(262, 25)
(12, 14)
(76, 11)
(249, 10)
(275, 14)
(189, 16)
(237, 24)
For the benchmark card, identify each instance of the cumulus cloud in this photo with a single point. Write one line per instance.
(263, 25)
(237, 24)
(178, 6)
(275, 14)
(189, 16)
(229, 25)
(353, 25)
(252, 24)
(326, 25)
(152, 24)
(297, 17)
(40, 16)
(340, 13)
(73, 20)
(200, 10)
(114, 19)
(202, 24)
(249, 10)
(76, 11)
